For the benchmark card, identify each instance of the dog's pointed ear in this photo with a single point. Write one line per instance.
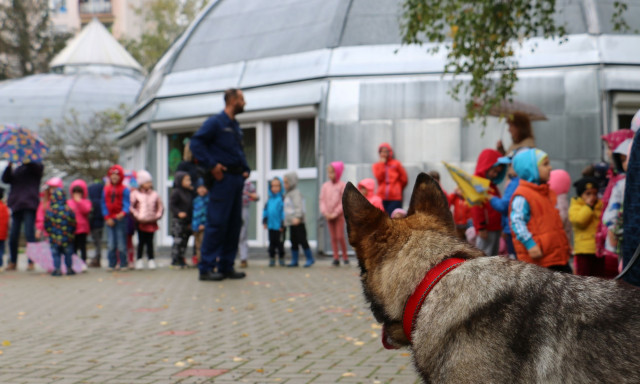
(428, 198)
(362, 217)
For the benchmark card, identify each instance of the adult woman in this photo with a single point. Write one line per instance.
(521, 133)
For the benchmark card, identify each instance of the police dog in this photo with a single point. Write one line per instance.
(489, 319)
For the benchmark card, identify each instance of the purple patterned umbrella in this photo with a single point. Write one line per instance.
(20, 145)
(40, 253)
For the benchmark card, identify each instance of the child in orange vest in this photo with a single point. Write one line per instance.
(536, 226)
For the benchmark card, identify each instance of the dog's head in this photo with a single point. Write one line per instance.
(395, 254)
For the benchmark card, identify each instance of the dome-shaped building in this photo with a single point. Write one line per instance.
(328, 80)
(93, 73)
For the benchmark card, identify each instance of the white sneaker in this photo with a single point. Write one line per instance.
(152, 264)
(139, 264)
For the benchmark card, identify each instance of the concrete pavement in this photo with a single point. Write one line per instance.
(279, 325)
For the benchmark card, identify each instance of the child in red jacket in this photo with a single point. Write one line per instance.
(4, 224)
(391, 177)
(486, 220)
(81, 207)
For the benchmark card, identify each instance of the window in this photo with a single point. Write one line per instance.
(177, 142)
(307, 146)
(250, 149)
(279, 145)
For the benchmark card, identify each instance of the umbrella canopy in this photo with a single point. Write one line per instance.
(506, 108)
(20, 145)
(474, 188)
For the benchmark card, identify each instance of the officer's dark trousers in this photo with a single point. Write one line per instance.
(224, 220)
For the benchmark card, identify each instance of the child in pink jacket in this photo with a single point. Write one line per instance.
(368, 188)
(81, 206)
(331, 209)
(147, 209)
(52, 183)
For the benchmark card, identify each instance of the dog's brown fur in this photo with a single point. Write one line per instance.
(491, 320)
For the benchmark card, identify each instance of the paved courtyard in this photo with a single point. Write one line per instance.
(279, 325)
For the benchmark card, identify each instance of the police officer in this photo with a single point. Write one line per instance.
(218, 147)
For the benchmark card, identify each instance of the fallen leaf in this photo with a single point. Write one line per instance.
(163, 323)
(376, 326)
(180, 364)
(405, 354)
(374, 335)
(289, 309)
(291, 299)
(237, 359)
(359, 343)
(245, 335)
(260, 370)
(22, 313)
(348, 374)
(6, 343)
(99, 306)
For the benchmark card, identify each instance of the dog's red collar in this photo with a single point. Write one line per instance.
(413, 305)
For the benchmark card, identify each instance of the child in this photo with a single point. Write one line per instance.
(486, 220)
(199, 221)
(60, 224)
(4, 225)
(115, 207)
(391, 177)
(248, 195)
(612, 216)
(584, 214)
(294, 219)
(147, 209)
(461, 212)
(81, 208)
(181, 207)
(45, 197)
(273, 220)
(367, 187)
(398, 213)
(615, 173)
(560, 184)
(96, 221)
(331, 209)
(131, 182)
(536, 227)
(501, 204)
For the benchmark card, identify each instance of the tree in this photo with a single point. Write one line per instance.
(83, 148)
(27, 39)
(165, 20)
(480, 36)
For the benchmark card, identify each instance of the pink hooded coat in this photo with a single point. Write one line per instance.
(370, 185)
(81, 208)
(331, 193)
(55, 182)
(147, 209)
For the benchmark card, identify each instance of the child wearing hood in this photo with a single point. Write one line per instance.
(147, 209)
(584, 214)
(294, 219)
(612, 215)
(392, 178)
(115, 203)
(199, 221)
(45, 199)
(367, 188)
(501, 204)
(560, 184)
(536, 227)
(273, 221)
(615, 173)
(81, 207)
(486, 220)
(60, 224)
(181, 207)
(331, 209)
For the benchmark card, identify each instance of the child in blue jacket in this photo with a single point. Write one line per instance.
(273, 220)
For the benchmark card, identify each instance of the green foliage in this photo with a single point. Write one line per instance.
(480, 37)
(165, 20)
(27, 40)
(618, 20)
(83, 148)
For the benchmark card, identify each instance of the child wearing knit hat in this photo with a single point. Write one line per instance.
(147, 209)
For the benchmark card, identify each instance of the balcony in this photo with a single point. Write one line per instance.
(95, 7)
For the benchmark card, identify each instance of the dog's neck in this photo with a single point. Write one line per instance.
(414, 303)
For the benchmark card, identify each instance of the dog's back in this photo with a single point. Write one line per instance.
(495, 320)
